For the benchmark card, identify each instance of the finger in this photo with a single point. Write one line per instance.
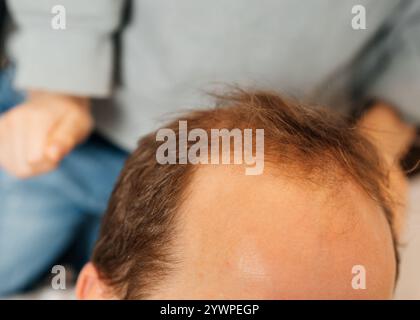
(17, 147)
(20, 138)
(41, 168)
(390, 134)
(36, 137)
(65, 136)
(14, 144)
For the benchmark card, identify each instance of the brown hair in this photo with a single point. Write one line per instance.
(133, 254)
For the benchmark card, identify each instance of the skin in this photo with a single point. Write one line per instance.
(276, 237)
(393, 138)
(36, 135)
(260, 240)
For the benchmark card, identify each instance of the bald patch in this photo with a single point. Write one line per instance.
(275, 237)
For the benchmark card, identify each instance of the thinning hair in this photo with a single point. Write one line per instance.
(134, 252)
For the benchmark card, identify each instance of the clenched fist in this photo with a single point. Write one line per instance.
(36, 135)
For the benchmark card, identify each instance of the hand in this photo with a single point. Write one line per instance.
(36, 135)
(392, 138)
(388, 132)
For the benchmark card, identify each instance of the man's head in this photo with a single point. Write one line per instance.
(320, 208)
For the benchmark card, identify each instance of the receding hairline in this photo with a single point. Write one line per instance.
(308, 129)
(194, 203)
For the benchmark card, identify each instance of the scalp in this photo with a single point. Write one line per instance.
(274, 237)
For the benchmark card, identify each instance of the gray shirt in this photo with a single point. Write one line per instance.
(174, 51)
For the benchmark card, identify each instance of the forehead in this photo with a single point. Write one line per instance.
(333, 204)
(257, 225)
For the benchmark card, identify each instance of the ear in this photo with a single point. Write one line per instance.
(89, 285)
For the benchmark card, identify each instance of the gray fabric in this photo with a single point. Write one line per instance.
(76, 60)
(172, 52)
(399, 83)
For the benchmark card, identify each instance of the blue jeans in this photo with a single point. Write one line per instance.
(8, 96)
(41, 218)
